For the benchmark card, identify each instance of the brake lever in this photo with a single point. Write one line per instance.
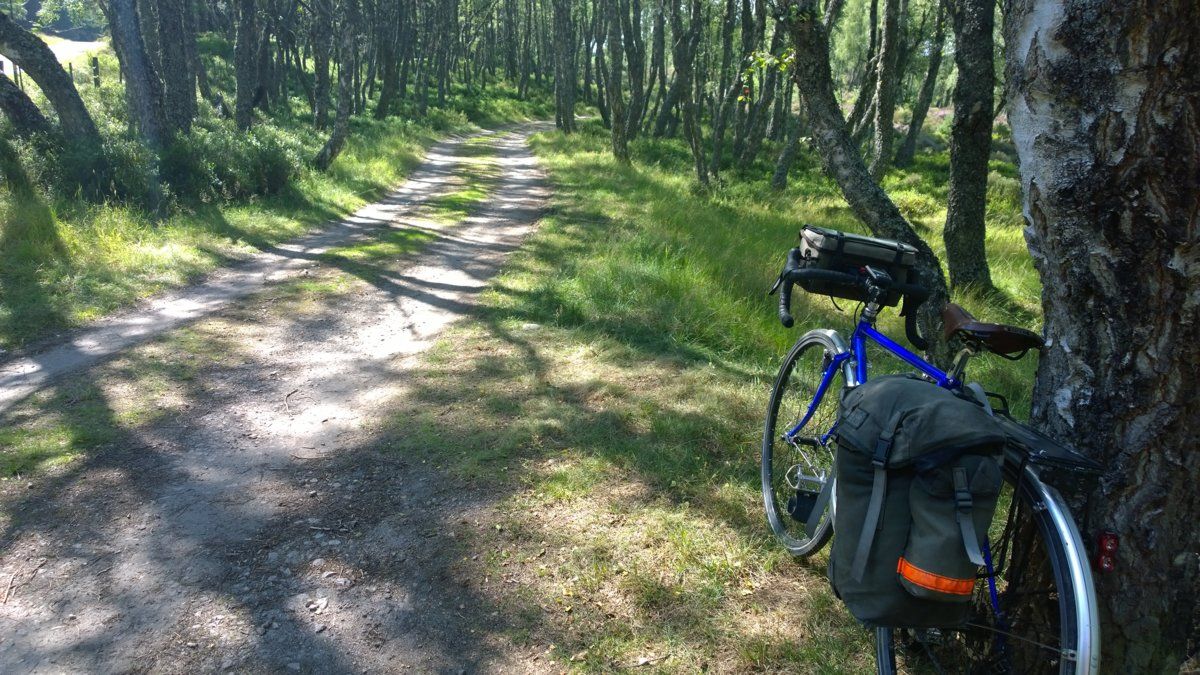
(776, 285)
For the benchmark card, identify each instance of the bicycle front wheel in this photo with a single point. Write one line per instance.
(797, 456)
(1042, 618)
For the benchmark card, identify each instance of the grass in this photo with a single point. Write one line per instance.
(611, 396)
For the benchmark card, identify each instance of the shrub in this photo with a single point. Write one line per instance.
(222, 163)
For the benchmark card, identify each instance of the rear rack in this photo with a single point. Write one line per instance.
(1041, 450)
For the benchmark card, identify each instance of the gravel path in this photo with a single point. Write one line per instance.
(261, 529)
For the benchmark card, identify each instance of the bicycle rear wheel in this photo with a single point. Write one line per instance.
(796, 467)
(1046, 621)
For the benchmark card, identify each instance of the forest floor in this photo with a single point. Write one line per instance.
(221, 500)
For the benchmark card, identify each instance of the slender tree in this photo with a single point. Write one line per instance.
(885, 90)
(245, 57)
(970, 144)
(616, 99)
(341, 124)
(908, 149)
(322, 44)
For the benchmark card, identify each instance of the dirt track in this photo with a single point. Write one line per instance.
(257, 527)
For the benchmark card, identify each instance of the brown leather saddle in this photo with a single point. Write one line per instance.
(995, 337)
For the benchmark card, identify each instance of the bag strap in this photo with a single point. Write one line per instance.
(963, 505)
(883, 448)
(814, 518)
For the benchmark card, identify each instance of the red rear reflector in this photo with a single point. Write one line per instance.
(1108, 543)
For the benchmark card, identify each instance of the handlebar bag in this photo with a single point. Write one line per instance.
(838, 251)
(918, 476)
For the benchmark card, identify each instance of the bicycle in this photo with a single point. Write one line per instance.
(1024, 618)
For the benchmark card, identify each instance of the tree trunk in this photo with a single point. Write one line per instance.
(866, 90)
(616, 101)
(683, 54)
(179, 76)
(686, 44)
(389, 54)
(783, 165)
(908, 149)
(246, 64)
(842, 162)
(32, 55)
(321, 46)
(970, 145)
(757, 125)
(833, 11)
(564, 67)
(143, 89)
(601, 90)
(885, 91)
(658, 66)
(729, 96)
(25, 117)
(1104, 115)
(635, 55)
(341, 123)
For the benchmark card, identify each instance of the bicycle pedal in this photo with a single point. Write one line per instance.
(801, 504)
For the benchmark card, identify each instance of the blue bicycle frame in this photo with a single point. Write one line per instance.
(858, 351)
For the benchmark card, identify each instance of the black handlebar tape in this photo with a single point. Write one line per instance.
(794, 264)
(912, 302)
(830, 276)
(785, 303)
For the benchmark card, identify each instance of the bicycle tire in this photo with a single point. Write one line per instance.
(795, 387)
(1066, 642)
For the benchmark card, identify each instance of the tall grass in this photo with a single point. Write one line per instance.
(667, 269)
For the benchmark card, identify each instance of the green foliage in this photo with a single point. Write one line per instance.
(70, 14)
(221, 163)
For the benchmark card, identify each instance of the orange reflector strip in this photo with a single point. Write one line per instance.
(934, 582)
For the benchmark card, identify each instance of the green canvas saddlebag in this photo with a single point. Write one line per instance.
(918, 476)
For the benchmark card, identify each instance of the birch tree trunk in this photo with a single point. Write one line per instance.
(1106, 122)
(885, 90)
(970, 145)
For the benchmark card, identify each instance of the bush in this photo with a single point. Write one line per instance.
(223, 164)
(442, 120)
